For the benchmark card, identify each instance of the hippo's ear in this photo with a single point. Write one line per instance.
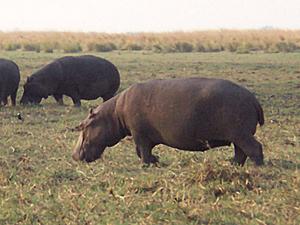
(78, 128)
(92, 113)
(91, 110)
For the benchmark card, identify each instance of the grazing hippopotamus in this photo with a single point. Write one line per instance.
(82, 77)
(9, 81)
(193, 114)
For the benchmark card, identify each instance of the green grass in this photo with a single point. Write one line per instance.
(41, 184)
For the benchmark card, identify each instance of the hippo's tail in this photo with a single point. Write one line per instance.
(260, 113)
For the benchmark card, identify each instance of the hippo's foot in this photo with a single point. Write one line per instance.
(154, 159)
(237, 162)
(60, 102)
(151, 160)
(239, 156)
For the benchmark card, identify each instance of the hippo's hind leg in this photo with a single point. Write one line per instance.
(252, 148)
(76, 101)
(239, 156)
(138, 152)
(4, 100)
(13, 97)
(59, 99)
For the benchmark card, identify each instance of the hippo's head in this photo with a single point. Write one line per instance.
(33, 92)
(92, 139)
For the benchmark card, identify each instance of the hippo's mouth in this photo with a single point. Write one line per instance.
(88, 154)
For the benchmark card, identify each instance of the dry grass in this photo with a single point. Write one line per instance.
(240, 41)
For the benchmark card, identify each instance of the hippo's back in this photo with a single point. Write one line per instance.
(9, 73)
(91, 75)
(87, 65)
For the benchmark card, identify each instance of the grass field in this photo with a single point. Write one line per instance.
(41, 184)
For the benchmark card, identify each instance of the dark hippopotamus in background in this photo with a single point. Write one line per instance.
(82, 77)
(190, 114)
(9, 81)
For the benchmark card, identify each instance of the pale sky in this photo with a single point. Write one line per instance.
(147, 15)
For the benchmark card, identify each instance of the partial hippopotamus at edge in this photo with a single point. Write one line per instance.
(9, 81)
(193, 114)
(79, 77)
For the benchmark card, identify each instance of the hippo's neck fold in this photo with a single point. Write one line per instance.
(114, 126)
(50, 77)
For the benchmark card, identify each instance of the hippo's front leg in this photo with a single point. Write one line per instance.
(59, 99)
(145, 153)
(4, 100)
(239, 156)
(76, 101)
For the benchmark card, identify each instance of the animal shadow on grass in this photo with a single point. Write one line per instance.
(285, 164)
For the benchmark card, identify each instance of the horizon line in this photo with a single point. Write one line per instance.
(269, 28)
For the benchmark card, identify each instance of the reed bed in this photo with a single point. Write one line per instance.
(239, 41)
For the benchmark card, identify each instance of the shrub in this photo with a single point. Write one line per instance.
(31, 47)
(184, 47)
(200, 47)
(271, 49)
(286, 46)
(213, 47)
(48, 50)
(134, 47)
(11, 46)
(157, 48)
(282, 46)
(244, 48)
(71, 48)
(231, 46)
(48, 47)
(103, 47)
(169, 48)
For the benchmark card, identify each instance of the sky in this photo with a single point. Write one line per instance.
(118, 16)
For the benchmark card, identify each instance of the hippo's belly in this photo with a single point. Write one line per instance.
(92, 90)
(90, 93)
(197, 145)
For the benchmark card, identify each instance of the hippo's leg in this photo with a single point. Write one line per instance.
(76, 101)
(107, 97)
(13, 97)
(59, 99)
(252, 148)
(77, 104)
(144, 151)
(4, 100)
(239, 156)
(138, 152)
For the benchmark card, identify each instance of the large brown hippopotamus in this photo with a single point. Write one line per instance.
(193, 114)
(82, 77)
(9, 81)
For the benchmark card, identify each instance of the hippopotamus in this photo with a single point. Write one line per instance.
(79, 77)
(9, 81)
(193, 114)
